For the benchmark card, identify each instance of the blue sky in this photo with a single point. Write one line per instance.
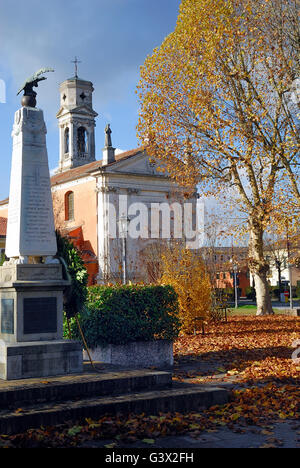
(112, 39)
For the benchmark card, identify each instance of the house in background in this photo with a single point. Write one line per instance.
(224, 263)
(283, 259)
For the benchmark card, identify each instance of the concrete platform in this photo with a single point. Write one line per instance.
(35, 402)
(39, 359)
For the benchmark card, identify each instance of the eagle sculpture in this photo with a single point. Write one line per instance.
(31, 83)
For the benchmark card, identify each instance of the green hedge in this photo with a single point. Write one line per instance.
(122, 314)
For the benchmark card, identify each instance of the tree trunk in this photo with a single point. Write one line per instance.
(259, 268)
(263, 298)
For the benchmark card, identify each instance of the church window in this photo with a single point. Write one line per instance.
(67, 140)
(69, 206)
(82, 140)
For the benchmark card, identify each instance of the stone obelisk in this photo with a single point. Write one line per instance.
(30, 225)
(31, 281)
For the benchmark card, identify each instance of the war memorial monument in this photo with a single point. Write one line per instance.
(31, 280)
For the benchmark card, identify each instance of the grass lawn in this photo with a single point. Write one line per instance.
(251, 310)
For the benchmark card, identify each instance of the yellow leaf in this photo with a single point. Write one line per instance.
(149, 441)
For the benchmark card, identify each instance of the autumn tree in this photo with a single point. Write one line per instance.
(185, 270)
(216, 110)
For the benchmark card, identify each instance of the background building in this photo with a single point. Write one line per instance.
(225, 264)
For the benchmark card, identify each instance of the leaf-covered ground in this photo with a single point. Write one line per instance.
(256, 349)
(251, 356)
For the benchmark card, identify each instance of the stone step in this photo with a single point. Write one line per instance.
(19, 393)
(181, 398)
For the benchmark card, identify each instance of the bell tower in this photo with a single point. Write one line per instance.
(76, 120)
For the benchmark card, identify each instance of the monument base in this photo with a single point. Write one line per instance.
(39, 359)
(31, 323)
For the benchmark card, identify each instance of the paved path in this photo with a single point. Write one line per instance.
(279, 435)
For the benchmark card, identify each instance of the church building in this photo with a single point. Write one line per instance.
(94, 200)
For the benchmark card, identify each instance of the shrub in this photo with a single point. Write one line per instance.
(250, 293)
(76, 273)
(122, 314)
(274, 291)
(185, 271)
(2, 258)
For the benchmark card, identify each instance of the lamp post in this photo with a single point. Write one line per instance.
(123, 231)
(291, 287)
(289, 262)
(235, 285)
(289, 266)
(235, 268)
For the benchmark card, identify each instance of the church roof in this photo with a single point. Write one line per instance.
(75, 173)
(86, 169)
(4, 202)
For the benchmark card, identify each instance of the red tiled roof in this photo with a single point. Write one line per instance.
(3, 226)
(128, 154)
(3, 202)
(75, 173)
(86, 169)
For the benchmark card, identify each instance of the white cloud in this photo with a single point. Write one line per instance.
(119, 151)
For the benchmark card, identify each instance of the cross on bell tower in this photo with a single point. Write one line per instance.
(76, 62)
